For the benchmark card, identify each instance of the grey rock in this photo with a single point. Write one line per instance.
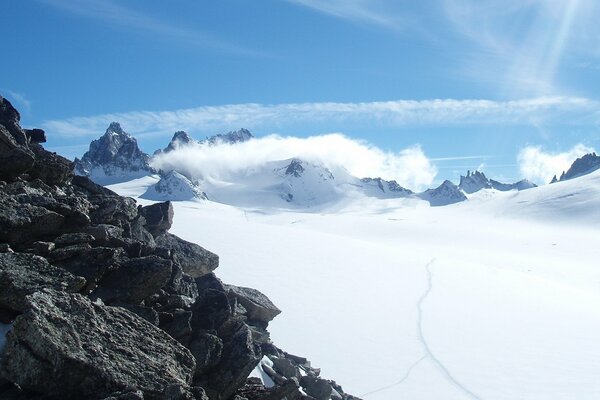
(90, 263)
(67, 239)
(206, 349)
(10, 118)
(41, 248)
(258, 306)
(15, 162)
(177, 324)
(211, 310)
(318, 388)
(70, 348)
(238, 359)
(210, 281)
(159, 217)
(126, 395)
(134, 280)
(285, 367)
(23, 274)
(193, 259)
(50, 167)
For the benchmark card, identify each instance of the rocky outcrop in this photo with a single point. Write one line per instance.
(66, 346)
(476, 181)
(114, 157)
(101, 302)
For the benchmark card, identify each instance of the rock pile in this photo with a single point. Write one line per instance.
(102, 302)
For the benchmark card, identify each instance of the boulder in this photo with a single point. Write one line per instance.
(211, 310)
(23, 274)
(35, 135)
(238, 359)
(194, 260)
(317, 388)
(90, 263)
(70, 348)
(24, 223)
(134, 280)
(159, 217)
(257, 305)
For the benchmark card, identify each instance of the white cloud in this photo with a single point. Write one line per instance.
(372, 114)
(410, 167)
(540, 166)
(116, 14)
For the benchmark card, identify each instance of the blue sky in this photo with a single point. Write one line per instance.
(508, 86)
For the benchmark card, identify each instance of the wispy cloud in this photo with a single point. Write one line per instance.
(17, 97)
(519, 46)
(372, 114)
(127, 18)
(359, 11)
(540, 166)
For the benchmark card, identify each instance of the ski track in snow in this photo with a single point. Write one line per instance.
(426, 347)
(405, 377)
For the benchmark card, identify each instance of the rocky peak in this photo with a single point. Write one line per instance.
(582, 166)
(174, 186)
(474, 182)
(180, 139)
(446, 193)
(387, 187)
(239, 136)
(112, 157)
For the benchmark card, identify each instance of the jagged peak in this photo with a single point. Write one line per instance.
(232, 137)
(115, 127)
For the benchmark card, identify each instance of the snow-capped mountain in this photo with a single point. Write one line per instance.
(239, 136)
(445, 194)
(377, 187)
(174, 186)
(582, 166)
(476, 181)
(114, 157)
(180, 139)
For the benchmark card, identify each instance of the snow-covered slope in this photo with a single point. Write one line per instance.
(494, 298)
(114, 157)
(174, 186)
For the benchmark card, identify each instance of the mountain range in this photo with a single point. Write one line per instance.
(296, 183)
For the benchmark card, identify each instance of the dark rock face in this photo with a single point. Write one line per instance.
(295, 168)
(134, 280)
(68, 347)
(104, 303)
(180, 139)
(24, 274)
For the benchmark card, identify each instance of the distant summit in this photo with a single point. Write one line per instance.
(114, 157)
(239, 136)
(445, 194)
(382, 188)
(582, 166)
(180, 139)
(476, 181)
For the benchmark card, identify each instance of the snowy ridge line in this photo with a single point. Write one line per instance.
(428, 352)
(405, 377)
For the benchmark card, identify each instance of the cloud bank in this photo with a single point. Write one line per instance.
(369, 114)
(410, 167)
(540, 166)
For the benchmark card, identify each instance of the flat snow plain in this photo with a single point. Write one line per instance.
(495, 298)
